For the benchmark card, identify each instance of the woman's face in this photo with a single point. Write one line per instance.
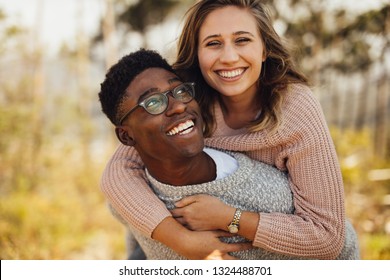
(231, 52)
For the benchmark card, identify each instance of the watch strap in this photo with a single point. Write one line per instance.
(235, 223)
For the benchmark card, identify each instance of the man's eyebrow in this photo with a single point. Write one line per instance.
(173, 80)
(234, 33)
(147, 92)
(153, 90)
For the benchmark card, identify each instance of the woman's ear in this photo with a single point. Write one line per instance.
(264, 56)
(124, 136)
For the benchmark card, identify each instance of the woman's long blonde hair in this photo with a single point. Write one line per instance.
(277, 72)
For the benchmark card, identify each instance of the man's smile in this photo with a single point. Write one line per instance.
(182, 128)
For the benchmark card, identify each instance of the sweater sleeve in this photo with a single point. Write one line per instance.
(304, 147)
(125, 187)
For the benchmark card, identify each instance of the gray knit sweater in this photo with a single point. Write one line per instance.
(255, 187)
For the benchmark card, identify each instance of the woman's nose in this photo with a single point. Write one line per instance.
(229, 54)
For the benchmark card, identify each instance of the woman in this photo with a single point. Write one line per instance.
(253, 100)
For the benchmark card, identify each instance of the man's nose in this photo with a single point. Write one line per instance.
(175, 106)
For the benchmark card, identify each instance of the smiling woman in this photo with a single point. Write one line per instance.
(231, 54)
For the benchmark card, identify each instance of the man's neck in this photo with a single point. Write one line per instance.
(197, 170)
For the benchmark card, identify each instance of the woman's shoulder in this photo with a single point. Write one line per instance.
(301, 113)
(297, 93)
(300, 102)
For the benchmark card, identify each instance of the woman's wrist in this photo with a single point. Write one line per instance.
(227, 218)
(249, 223)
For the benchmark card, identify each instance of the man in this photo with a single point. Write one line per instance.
(114, 97)
(155, 112)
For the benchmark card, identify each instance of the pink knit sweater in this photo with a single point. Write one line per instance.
(302, 146)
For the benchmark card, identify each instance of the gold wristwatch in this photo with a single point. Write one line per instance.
(234, 226)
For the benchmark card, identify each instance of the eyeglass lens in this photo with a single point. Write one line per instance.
(158, 103)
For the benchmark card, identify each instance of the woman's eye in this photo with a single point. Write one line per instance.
(242, 40)
(212, 43)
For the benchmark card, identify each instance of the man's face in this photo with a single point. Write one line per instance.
(173, 135)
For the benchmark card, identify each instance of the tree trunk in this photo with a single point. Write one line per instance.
(109, 35)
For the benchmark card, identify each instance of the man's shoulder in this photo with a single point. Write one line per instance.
(255, 164)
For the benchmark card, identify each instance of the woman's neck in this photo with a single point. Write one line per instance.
(239, 112)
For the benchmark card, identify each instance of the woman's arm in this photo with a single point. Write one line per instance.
(132, 201)
(302, 146)
(124, 186)
(196, 244)
(191, 212)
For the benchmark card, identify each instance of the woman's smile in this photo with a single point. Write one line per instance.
(230, 52)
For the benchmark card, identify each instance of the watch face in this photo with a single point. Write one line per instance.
(233, 229)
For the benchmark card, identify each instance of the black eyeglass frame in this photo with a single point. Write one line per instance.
(173, 92)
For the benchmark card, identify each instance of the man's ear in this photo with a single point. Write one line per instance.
(123, 136)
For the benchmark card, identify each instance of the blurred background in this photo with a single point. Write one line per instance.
(55, 141)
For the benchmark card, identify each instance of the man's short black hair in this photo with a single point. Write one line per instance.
(121, 74)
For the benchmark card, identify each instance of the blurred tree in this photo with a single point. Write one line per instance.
(38, 92)
(108, 34)
(337, 50)
(50, 204)
(20, 145)
(319, 29)
(136, 16)
(83, 64)
(145, 13)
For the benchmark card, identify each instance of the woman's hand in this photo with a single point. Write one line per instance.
(203, 212)
(207, 245)
(196, 245)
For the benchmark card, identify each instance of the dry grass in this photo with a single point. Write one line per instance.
(63, 215)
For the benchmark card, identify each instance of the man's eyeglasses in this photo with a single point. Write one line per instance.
(158, 102)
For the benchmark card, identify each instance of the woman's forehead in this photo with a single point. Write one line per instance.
(227, 21)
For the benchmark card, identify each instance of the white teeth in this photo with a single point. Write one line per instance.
(181, 128)
(231, 74)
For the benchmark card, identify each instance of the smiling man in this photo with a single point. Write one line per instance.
(155, 112)
(174, 127)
